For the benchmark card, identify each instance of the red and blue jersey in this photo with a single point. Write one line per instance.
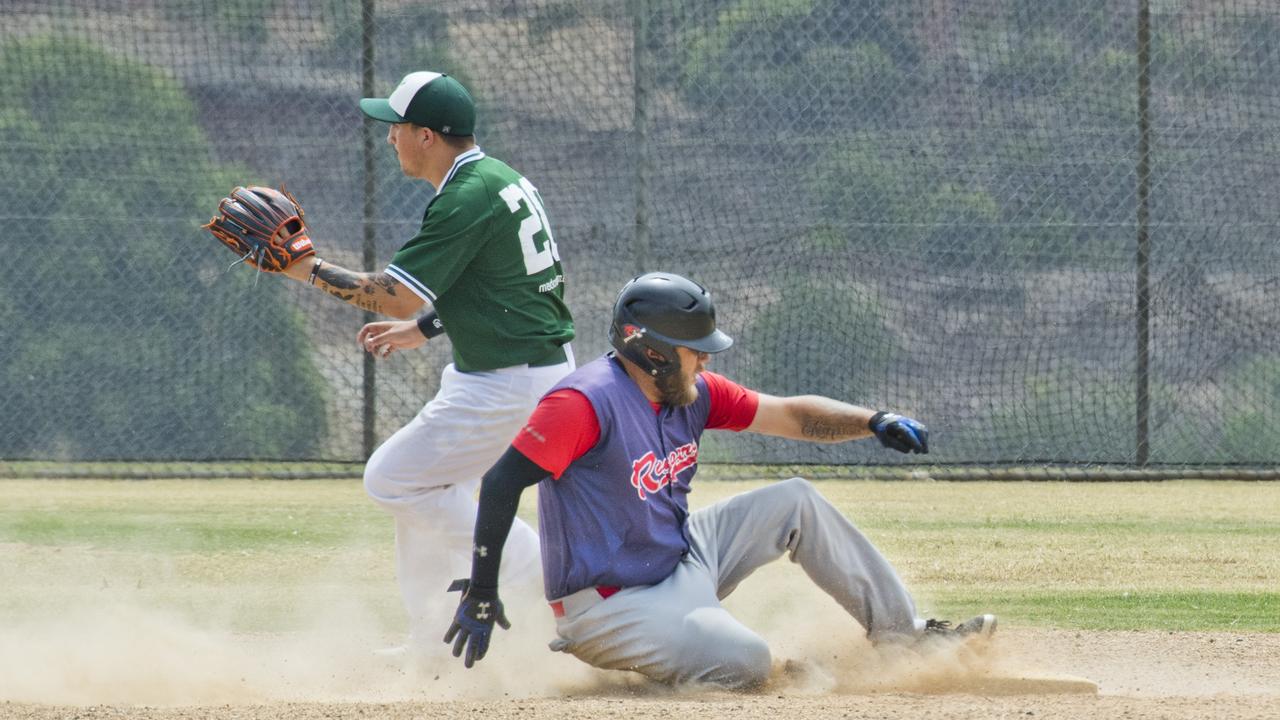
(614, 512)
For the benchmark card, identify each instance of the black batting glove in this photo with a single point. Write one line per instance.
(472, 625)
(900, 433)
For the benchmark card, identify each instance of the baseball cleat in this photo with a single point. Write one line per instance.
(981, 626)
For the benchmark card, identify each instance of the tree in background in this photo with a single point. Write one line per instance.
(789, 63)
(1250, 410)
(783, 351)
(124, 338)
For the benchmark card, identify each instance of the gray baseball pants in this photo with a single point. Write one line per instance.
(676, 631)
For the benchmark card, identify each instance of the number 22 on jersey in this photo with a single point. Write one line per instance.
(535, 260)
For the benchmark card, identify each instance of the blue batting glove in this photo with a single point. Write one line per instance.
(472, 625)
(900, 433)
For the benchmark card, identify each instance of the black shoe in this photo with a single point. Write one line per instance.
(981, 626)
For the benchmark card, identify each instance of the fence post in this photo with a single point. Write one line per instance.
(1143, 299)
(640, 131)
(370, 386)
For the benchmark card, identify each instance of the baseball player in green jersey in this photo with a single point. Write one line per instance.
(485, 267)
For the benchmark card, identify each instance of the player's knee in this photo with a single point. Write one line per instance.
(721, 651)
(747, 665)
(377, 482)
(799, 489)
(372, 487)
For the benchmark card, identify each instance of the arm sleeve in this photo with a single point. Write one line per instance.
(500, 493)
(451, 236)
(562, 428)
(733, 407)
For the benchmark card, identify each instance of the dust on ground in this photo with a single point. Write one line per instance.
(122, 662)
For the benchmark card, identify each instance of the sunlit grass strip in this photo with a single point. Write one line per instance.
(1139, 610)
(179, 470)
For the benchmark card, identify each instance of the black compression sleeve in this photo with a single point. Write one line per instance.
(499, 499)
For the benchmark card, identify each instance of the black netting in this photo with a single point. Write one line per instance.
(926, 205)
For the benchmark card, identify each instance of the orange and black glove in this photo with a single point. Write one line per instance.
(263, 226)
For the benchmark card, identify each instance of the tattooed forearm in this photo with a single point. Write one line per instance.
(821, 428)
(823, 419)
(366, 291)
(340, 278)
(382, 281)
(370, 305)
(364, 302)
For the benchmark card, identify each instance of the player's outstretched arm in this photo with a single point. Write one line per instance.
(811, 417)
(821, 419)
(376, 292)
(480, 607)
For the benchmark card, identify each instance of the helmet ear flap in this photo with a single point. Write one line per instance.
(669, 362)
(632, 341)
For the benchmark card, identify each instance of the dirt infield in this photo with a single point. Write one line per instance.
(223, 600)
(1140, 674)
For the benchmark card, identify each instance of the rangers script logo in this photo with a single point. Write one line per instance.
(650, 473)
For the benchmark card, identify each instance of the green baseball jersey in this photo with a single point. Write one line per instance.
(486, 259)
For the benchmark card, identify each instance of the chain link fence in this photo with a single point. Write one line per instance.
(1045, 229)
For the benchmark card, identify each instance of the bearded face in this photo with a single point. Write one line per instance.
(680, 387)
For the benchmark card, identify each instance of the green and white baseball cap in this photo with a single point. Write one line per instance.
(429, 99)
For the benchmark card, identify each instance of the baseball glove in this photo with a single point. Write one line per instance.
(263, 226)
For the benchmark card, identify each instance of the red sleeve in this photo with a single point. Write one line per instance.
(733, 407)
(561, 429)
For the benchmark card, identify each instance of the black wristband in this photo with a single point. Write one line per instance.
(430, 326)
(871, 424)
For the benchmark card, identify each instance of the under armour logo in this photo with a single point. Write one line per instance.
(480, 551)
(483, 613)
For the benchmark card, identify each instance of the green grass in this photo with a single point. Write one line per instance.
(1200, 555)
(187, 516)
(1168, 610)
(186, 470)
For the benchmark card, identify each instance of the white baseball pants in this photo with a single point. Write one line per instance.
(426, 476)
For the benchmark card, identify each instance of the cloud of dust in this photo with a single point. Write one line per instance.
(116, 648)
(819, 649)
(111, 648)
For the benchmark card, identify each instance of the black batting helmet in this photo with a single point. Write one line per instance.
(659, 311)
